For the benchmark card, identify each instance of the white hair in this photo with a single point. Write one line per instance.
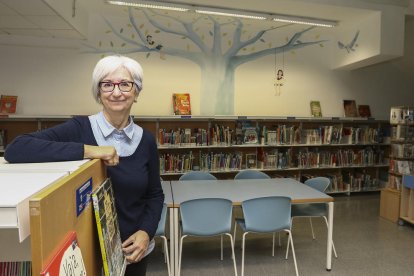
(108, 65)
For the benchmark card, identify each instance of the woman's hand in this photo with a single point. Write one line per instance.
(135, 246)
(107, 153)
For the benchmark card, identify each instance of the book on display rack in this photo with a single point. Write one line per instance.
(113, 259)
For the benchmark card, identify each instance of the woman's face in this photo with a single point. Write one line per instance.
(118, 101)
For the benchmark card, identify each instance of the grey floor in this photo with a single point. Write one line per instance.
(366, 245)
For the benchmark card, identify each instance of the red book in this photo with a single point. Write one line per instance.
(8, 104)
(67, 259)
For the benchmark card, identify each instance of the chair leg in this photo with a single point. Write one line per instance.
(234, 235)
(243, 249)
(221, 245)
(273, 245)
(280, 244)
(167, 258)
(333, 245)
(232, 253)
(180, 254)
(288, 243)
(310, 221)
(293, 251)
(287, 249)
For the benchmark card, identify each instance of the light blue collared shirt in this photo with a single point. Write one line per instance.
(125, 140)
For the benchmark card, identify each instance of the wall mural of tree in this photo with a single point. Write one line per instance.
(218, 46)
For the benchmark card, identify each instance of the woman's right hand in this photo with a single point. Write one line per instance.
(107, 153)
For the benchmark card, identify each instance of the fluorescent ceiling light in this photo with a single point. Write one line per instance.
(304, 20)
(232, 14)
(150, 6)
(201, 9)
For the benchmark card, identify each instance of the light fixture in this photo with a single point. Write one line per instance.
(304, 20)
(201, 9)
(231, 13)
(160, 6)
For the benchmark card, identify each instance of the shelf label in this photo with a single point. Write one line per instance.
(83, 196)
(185, 116)
(335, 118)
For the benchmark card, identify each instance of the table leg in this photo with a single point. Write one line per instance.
(330, 231)
(174, 240)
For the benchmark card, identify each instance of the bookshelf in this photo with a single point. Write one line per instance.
(352, 152)
(401, 160)
(396, 196)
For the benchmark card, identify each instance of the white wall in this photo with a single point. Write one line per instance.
(55, 81)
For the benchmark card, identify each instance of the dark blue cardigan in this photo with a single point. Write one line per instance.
(136, 180)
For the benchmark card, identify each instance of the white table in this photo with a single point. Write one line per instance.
(18, 182)
(16, 189)
(238, 191)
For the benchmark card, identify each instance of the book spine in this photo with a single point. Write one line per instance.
(100, 235)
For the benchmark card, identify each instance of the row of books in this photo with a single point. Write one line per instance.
(220, 161)
(217, 135)
(176, 162)
(281, 135)
(402, 150)
(394, 182)
(402, 115)
(401, 166)
(275, 159)
(15, 268)
(350, 182)
(402, 133)
(342, 158)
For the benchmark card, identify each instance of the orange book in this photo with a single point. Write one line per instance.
(8, 104)
(181, 104)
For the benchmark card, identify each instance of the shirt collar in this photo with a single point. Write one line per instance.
(107, 129)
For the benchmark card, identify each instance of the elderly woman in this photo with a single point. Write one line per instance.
(129, 151)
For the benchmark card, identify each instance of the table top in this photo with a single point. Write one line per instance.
(240, 190)
(45, 167)
(17, 188)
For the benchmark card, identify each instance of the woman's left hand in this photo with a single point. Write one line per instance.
(135, 246)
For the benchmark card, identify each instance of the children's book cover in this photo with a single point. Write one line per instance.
(67, 260)
(316, 110)
(181, 104)
(8, 104)
(364, 111)
(350, 108)
(108, 229)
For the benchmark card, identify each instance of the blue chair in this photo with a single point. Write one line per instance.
(200, 175)
(197, 175)
(161, 233)
(206, 217)
(266, 215)
(314, 209)
(251, 174)
(254, 174)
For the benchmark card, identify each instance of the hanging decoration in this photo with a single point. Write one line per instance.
(279, 74)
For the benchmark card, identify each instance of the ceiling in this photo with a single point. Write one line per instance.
(39, 18)
(33, 18)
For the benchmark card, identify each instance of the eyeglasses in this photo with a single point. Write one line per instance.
(123, 86)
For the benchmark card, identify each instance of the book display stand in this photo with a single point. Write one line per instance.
(54, 213)
(397, 199)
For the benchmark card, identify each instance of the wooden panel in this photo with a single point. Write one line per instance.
(16, 128)
(390, 204)
(53, 215)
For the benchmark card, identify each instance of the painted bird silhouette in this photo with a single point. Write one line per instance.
(350, 46)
